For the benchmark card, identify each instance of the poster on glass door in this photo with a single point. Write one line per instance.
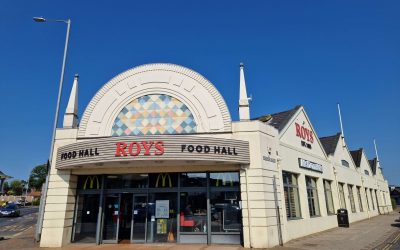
(162, 209)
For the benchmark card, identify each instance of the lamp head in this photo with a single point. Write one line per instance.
(39, 19)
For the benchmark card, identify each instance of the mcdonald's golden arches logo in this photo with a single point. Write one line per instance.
(91, 180)
(163, 177)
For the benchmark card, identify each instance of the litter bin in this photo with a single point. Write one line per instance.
(342, 217)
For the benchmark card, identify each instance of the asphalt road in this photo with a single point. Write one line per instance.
(12, 226)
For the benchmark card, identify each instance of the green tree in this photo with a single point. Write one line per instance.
(17, 187)
(38, 177)
(6, 187)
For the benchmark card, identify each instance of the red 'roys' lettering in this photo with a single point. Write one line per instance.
(160, 148)
(298, 133)
(304, 133)
(121, 146)
(137, 149)
(147, 147)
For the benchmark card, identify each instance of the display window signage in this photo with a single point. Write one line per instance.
(305, 134)
(310, 165)
(158, 148)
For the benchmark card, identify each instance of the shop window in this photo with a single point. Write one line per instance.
(312, 196)
(291, 191)
(345, 164)
(328, 197)
(351, 198)
(341, 196)
(113, 181)
(193, 180)
(224, 179)
(163, 180)
(89, 182)
(226, 214)
(135, 180)
(126, 181)
(193, 212)
(154, 115)
(372, 199)
(366, 197)
(359, 199)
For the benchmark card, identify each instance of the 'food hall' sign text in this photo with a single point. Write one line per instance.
(154, 149)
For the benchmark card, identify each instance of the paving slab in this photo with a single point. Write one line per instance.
(363, 235)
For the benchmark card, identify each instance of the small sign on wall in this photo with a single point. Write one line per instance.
(310, 165)
(162, 209)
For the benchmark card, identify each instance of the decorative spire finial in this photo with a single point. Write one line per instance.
(244, 108)
(71, 112)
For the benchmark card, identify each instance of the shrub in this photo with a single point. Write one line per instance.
(394, 205)
(36, 202)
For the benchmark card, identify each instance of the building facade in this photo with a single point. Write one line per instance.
(156, 158)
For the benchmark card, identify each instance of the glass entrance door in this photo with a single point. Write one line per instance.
(86, 214)
(139, 219)
(111, 218)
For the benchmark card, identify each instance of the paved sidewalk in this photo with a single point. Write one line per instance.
(23, 240)
(381, 233)
(376, 233)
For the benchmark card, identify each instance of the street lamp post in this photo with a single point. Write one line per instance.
(45, 187)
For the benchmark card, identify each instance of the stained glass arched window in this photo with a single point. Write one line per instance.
(154, 115)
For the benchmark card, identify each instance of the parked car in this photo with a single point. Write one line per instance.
(10, 210)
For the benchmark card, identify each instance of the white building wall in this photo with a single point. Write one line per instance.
(60, 200)
(260, 224)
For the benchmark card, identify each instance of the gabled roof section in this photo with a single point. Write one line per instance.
(373, 164)
(330, 142)
(357, 154)
(4, 176)
(279, 120)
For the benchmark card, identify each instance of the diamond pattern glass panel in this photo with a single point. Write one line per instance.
(154, 115)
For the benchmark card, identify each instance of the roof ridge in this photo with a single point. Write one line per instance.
(338, 133)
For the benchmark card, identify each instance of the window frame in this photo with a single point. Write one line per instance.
(351, 198)
(291, 188)
(372, 199)
(360, 204)
(313, 199)
(366, 196)
(329, 196)
(342, 198)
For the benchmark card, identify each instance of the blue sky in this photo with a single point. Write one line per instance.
(314, 53)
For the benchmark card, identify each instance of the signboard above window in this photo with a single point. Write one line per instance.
(310, 165)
